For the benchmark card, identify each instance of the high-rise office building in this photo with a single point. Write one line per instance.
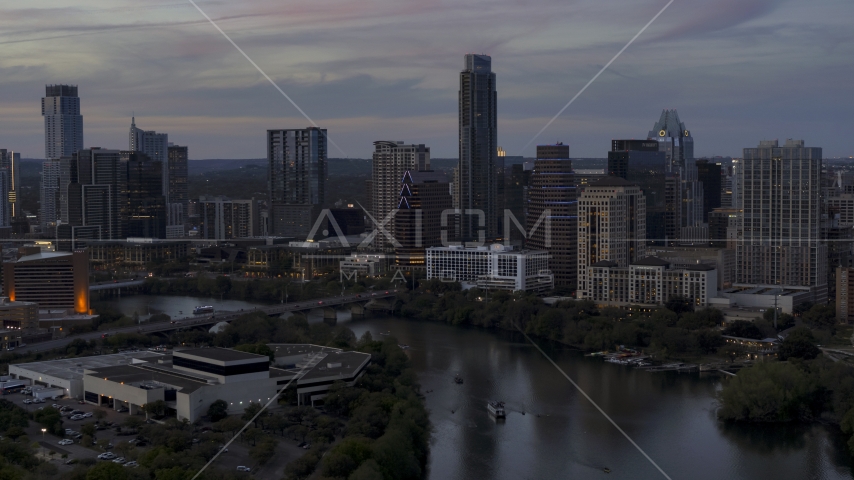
(93, 192)
(178, 191)
(49, 195)
(422, 198)
(517, 184)
(476, 179)
(611, 227)
(390, 161)
(641, 163)
(63, 123)
(145, 210)
(155, 146)
(11, 163)
(296, 179)
(223, 218)
(683, 192)
(552, 222)
(709, 174)
(780, 225)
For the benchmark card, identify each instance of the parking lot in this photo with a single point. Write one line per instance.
(74, 450)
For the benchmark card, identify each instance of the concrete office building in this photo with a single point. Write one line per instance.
(842, 205)
(496, 267)
(223, 218)
(296, 179)
(780, 241)
(723, 228)
(476, 183)
(49, 208)
(390, 161)
(551, 219)
(611, 227)
(649, 282)
(845, 294)
(683, 191)
(63, 123)
(22, 316)
(178, 191)
(52, 280)
(422, 197)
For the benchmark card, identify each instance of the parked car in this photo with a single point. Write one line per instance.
(131, 464)
(68, 431)
(65, 441)
(27, 401)
(87, 414)
(243, 469)
(107, 456)
(119, 460)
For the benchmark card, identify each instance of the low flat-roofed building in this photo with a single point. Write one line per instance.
(191, 379)
(135, 251)
(786, 298)
(19, 315)
(345, 367)
(67, 373)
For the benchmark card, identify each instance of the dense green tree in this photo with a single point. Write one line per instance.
(820, 316)
(743, 329)
(107, 471)
(799, 343)
(770, 392)
(218, 410)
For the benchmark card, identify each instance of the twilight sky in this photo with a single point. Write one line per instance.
(737, 71)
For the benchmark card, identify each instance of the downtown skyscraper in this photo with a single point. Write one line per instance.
(63, 123)
(390, 161)
(476, 181)
(780, 225)
(683, 218)
(296, 179)
(552, 222)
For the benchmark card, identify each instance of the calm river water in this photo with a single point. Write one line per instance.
(561, 435)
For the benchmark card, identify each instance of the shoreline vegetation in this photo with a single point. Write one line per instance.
(800, 385)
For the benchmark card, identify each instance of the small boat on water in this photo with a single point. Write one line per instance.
(458, 379)
(496, 409)
(203, 309)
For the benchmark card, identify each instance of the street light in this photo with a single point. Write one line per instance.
(43, 430)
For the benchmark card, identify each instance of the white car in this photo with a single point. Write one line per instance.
(131, 464)
(243, 469)
(87, 414)
(68, 431)
(119, 460)
(65, 442)
(55, 406)
(77, 417)
(27, 401)
(107, 456)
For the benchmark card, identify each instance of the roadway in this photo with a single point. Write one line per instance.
(115, 284)
(204, 320)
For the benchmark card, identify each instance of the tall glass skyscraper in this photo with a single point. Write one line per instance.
(683, 219)
(477, 175)
(296, 178)
(63, 124)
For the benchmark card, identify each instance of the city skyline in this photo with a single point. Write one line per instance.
(207, 96)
